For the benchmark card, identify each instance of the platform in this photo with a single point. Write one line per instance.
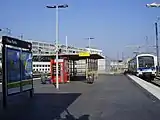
(112, 97)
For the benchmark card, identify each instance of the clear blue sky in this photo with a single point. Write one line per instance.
(113, 23)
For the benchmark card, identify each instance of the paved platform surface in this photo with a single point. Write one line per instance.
(112, 97)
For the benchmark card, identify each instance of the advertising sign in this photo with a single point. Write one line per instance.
(26, 70)
(17, 67)
(13, 70)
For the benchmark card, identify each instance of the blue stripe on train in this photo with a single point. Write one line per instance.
(145, 68)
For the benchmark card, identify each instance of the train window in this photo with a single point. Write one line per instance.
(146, 61)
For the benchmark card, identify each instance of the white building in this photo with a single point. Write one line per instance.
(46, 48)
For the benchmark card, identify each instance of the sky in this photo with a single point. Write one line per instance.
(115, 24)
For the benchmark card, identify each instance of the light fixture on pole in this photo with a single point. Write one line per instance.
(5, 31)
(57, 37)
(89, 42)
(155, 5)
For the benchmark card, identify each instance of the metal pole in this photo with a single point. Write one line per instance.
(57, 82)
(66, 45)
(157, 49)
(89, 43)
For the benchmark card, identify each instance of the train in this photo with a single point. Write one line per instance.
(143, 65)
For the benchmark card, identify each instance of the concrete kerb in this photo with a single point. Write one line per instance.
(153, 90)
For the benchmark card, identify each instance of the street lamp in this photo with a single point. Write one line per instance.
(89, 42)
(6, 31)
(155, 5)
(57, 37)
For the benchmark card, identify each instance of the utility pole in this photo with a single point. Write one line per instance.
(122, 56)
(57, 7)
(146, 43)
(157, 48)
(66, 44)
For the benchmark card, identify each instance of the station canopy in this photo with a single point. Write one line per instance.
(70, 56)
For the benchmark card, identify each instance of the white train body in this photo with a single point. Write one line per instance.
(143, 65)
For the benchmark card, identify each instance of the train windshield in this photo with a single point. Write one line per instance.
(146, 61)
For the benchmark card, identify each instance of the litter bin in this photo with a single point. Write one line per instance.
(43, 79)
(90, 78)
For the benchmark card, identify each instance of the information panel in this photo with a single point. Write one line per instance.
(17, 67)
(13, 70)
(26, 70)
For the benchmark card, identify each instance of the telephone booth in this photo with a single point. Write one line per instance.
(63, 70)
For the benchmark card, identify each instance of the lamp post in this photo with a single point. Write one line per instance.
(66, 44)
(57, 37)
(157, 48)
(89, 42)
(155, 5)
(7, 31)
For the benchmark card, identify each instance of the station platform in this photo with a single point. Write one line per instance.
(111, 97)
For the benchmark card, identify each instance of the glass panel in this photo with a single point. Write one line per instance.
(146, 61)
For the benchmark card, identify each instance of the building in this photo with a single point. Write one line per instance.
(45, 48)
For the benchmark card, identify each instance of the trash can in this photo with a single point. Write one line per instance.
(90, 78)
(43, 79)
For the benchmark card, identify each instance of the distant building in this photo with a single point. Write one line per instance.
(45, 48)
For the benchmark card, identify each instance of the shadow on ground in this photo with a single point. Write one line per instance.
(78, 78)
(41, 107)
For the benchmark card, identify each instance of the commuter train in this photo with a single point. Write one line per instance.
(143, 65)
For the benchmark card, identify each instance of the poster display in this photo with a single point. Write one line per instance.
(13, 70)
(26, 70)
(17, 67)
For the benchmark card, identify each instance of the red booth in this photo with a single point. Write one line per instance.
(63, 70)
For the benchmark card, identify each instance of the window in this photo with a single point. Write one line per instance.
(146, 61)
(40, 44)
(33, 65)
(35, 43)
(46, 44)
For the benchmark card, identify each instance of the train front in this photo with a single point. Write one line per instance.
(146, 66)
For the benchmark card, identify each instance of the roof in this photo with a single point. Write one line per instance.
(145, 54)
(77, 57)
(72, 56)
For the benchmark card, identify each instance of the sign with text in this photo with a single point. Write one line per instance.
(17, 67)
(84, 54)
